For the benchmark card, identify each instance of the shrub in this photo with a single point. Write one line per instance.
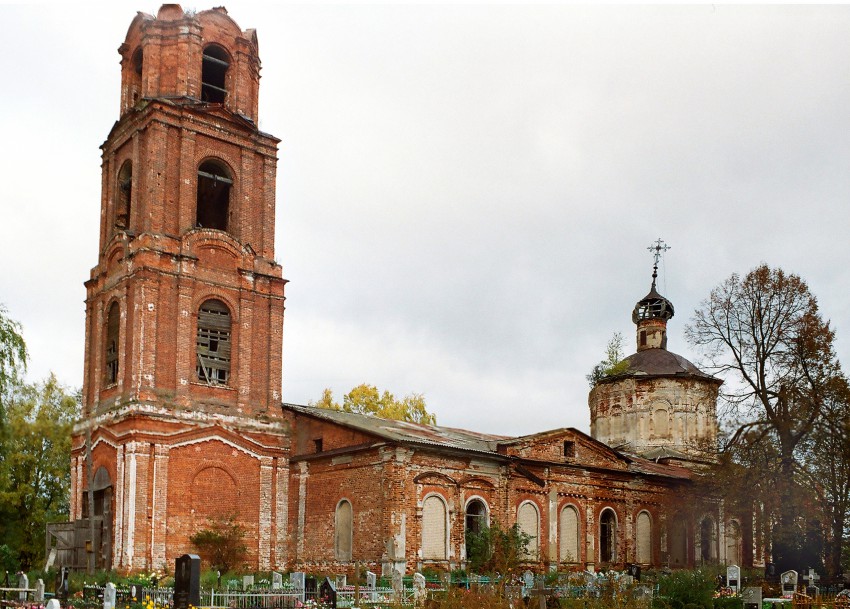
(222, 544)
(687, 589)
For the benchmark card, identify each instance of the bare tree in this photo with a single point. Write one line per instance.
(763, 333)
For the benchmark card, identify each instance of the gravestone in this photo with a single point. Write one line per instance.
(371, 585)
(751, 597)
(538, 592)
(23, 582)
(789, 582)
(39, 591)
(769, 570)
(327, 593)
(340, 581)
(247, 581)
(398, 584)
(277, 580)
(53, 603)
(187, 581)
(626, 581)
(296, 580)
(62, 585)
(528, 579)
(109, 596)
(634, 571)
(418, 588)
(733, 577)
(133, 592)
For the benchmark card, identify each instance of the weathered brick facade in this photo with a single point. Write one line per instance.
(177, 440)
(183, 420)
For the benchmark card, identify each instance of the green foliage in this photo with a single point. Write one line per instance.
(222, 545)
(691, 589)
(366, 399)
(495, 549)
(613, 364)
(13, 355)
(35, 477)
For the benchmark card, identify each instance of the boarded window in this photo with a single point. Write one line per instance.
(569, 536)
(608, 536)
(113, 320)
(213, 343)
(528, 521)
(216, 61)
(434, 529)
(678, 542)
(214, 183)
(124, 192)
(644, 539)
(733, 543)
(343, 536)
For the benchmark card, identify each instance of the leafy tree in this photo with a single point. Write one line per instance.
(35, 478)
(495, 549)
(13, 354)
(222, 544)
(613, 364)
(765, 334)
(366, 399)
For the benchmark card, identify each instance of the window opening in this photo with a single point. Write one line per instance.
(125, 191)
(111, 352)
(213, 74)
(705, 540)
(214, 184)
(213, 343)
(608, 537)
(344, 530)
(569, 449)
(318, 444)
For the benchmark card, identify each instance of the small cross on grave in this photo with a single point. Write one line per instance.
(539, 591)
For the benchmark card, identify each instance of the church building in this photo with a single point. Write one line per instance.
(183, 421)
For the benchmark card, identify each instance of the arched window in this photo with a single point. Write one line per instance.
(644, 538)
(136, 84)
(113, 328)
(706, 540)
(528, 520)
(434, 529)
(569, 535)
(662, 423)
(476, 521)
(608, 536)
(214, 182)
(216, 61)
(733, 543)
(343, 530)
(213, 343)
(124, 192)
(678, 543)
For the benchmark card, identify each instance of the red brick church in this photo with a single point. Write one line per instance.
(183, 420)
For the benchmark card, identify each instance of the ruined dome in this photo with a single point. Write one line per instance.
(652, 306)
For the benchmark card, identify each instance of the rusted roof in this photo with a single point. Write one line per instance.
(404, 431)
(660, 362)
(463, 439)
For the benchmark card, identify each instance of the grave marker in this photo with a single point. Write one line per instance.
(751, 596)
(62, 585)
(39, 591)
(53, 603)
(23, 582)
(398, 584)
(789, 582)
(418, 588)
(733, 577)
(109, 596)
(539, 592)
(247, 581)
(277, 580)
(371, 585)
(187, 581)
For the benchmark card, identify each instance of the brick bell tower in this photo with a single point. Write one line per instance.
(182, 422)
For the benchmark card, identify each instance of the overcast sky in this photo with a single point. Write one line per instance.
(466, 194)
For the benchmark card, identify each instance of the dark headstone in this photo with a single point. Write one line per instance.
(61, 591)
(634, 571)
(770, 570)
(327, 593)
(311, 588)
(187, 581)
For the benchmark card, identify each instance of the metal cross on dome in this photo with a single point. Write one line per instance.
(657, 249)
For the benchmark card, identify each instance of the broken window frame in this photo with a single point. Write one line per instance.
(214, 189)
(215, 63)
(111, 341)
(213, 343)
